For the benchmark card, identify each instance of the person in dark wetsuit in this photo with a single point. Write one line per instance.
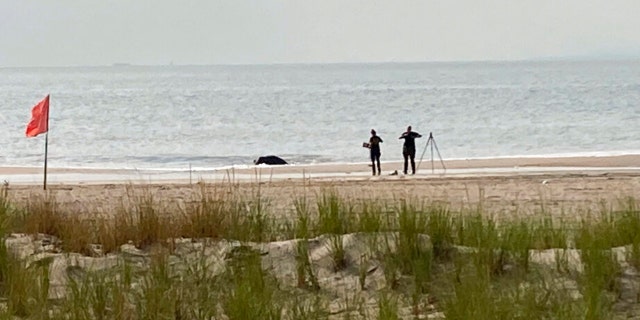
(409, 148)
(374, 151)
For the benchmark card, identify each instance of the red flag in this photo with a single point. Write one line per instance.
(39, 118)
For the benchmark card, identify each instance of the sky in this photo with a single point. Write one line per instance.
(157, 32)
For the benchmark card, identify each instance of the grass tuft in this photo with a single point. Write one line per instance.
(247, 284)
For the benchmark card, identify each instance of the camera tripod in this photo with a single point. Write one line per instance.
(431, 142)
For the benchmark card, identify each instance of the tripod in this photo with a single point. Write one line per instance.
(432, 143)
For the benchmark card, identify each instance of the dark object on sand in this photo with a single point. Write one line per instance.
(270, 160)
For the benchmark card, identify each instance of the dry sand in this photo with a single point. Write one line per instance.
(504, 186)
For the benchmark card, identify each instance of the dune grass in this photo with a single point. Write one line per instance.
(465, 264)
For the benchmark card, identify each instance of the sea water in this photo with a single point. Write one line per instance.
(175, 117)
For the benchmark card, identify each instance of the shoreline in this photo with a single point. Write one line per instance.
(342, 171)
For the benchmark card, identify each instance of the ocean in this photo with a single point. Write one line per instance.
(174, 117)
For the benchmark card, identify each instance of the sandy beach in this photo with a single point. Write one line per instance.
(565, 189)
(504, 186)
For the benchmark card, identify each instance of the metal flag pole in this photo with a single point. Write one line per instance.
(46, 151)
(46, 147)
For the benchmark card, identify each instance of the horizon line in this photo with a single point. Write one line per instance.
(579, 58)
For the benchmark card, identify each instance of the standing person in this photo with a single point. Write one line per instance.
(409, 148)
(374, 151)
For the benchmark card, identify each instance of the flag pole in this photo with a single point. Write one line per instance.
(46, 152)
(46, 147)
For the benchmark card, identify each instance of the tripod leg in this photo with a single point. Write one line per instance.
(437, 150)
(429, 143)
(423, 151)
(432, 144)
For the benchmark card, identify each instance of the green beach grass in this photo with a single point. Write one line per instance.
(435, 261)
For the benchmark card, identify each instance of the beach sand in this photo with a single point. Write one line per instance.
(503, 187)
(566, 188)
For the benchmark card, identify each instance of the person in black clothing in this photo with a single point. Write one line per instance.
(374, 151)
(409, 148)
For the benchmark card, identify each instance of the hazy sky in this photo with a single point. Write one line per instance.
(102, 32)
